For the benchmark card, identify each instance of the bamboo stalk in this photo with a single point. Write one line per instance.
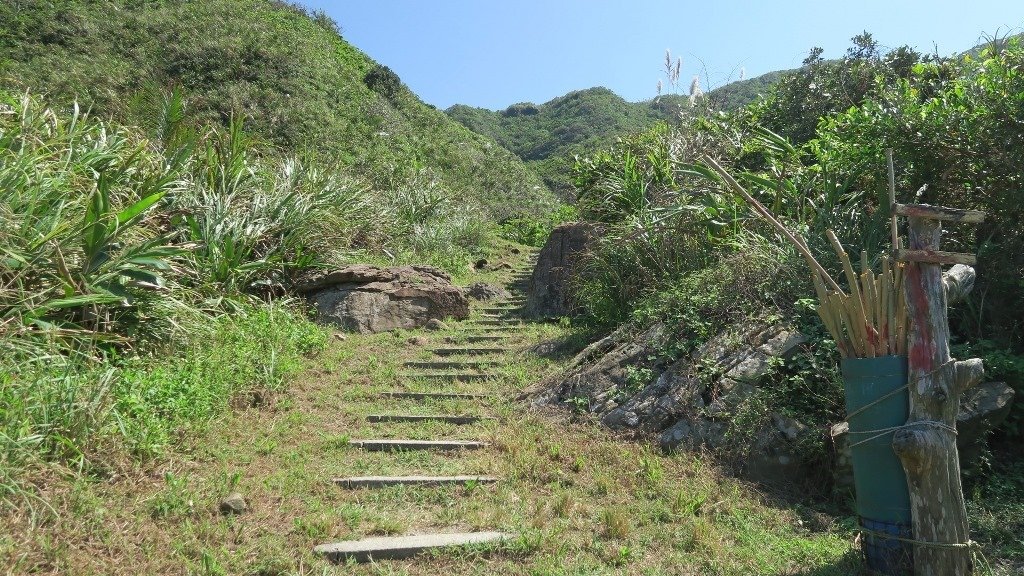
(831, 318)
(868, 289)
(767, 215)
(860, 335)
(841, 308)
(893, 225)
(890, 304)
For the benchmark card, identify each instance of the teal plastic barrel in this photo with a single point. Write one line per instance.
(883, 500)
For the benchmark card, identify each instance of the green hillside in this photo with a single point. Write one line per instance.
(547, 136)
(298, 85)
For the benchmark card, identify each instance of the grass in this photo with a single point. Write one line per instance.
(583, 500)
(290, 74)
(97, 418)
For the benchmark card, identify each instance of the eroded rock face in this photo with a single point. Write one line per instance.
(548, 291)
(982, 408)
(367, 299)
(685, 409)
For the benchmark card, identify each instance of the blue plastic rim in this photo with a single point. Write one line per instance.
(876, 401)
(885, 555)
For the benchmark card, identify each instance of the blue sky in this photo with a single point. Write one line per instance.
(492, 54)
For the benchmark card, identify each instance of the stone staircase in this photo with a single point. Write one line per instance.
(469, 359)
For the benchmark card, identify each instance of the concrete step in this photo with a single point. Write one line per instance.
(397, 547)
(436, 395)
(475, 351)
(508, 316)
(448, 377)
(384, 481)
(464, 419)
(491, 322)
(472, 338)
(452, 365)
(391, 445)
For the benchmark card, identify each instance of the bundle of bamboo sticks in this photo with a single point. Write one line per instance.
(871, 320)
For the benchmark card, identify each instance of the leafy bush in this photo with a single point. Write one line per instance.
(385, 82)
(679, 248)
(952, 125)
(79, 236)
(535, 231)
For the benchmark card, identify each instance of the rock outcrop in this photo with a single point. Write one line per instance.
(367, 299)
(485, 291)
(625, 381)
(548, 291)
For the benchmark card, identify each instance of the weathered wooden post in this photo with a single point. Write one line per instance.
(926, 445)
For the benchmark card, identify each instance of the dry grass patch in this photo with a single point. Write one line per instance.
(583, 500)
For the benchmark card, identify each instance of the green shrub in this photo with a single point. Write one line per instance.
(245, 359)
(535, 231)
(385, 82)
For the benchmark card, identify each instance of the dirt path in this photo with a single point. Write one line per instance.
(569, 497)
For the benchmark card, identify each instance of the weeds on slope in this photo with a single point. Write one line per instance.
(134, 274)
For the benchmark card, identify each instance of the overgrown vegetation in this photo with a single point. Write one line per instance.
(166, 173)
(581, 500)
(679, 248)
(133, 272)
(290, 77)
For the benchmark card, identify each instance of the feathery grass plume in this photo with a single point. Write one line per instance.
(695, 91)
(672, 71)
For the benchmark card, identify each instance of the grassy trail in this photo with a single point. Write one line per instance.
(579, 499)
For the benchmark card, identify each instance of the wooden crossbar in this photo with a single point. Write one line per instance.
(930, 212)
(936, 257)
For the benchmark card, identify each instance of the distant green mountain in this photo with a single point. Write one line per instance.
(547, 136)
(735, 95)
(299, 85)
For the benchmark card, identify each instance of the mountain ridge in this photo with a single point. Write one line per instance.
(298, 84)
(546, 136)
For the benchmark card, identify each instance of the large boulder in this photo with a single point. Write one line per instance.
(549, 292)
(982, 409)
(366, 299)
(484, 291)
